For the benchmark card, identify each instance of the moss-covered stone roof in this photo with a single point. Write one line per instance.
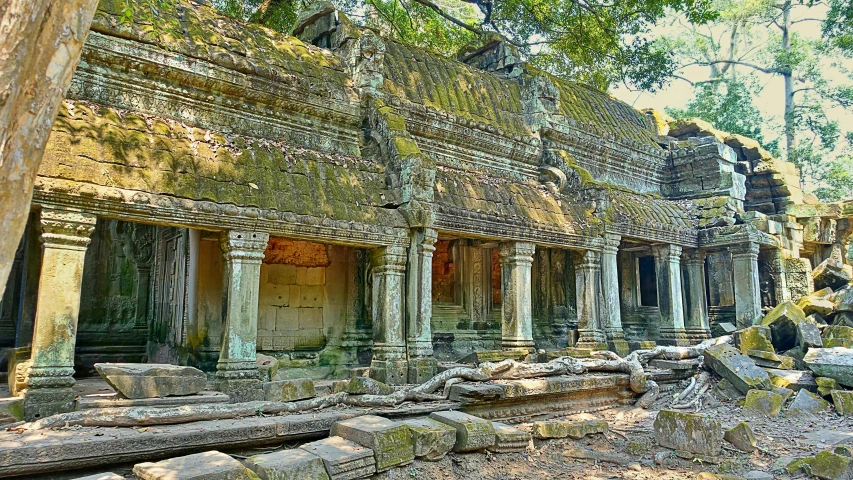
(646, 213)
(91, 144)
(201, 32)
(453, 87)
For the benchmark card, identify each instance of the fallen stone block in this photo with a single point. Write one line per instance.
(771, 360)
(472, 433)
(826, 385)
(783, 392)
(755, 337)
(808, 336)
(724, 390)
(688, 431)
(432, 440)
(816, 304)
(211, 465)
(344, 460)
(151, 380)
(806, 404)
(267, 367)
(294, 464)
(758, 475)
(816, 319)
(699, 458)
(368, 386)
(845, 450)
(739, 369)
(509, 439)
(838, 342)
(390, 441)
(830, 274)
(783, 321)
(834, 363)
(792, 379)
(838, 332)
(103, 476)
(289, 390)
(570, 429)
(843, 401)
(741, 437)
(845, 319)
(763, 403)
(830, 466)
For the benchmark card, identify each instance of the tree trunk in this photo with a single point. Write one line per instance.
(40, 44)
(787, 75)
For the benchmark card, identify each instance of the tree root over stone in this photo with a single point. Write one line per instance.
(602, 361)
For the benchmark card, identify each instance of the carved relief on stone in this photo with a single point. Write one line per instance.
(799, 277)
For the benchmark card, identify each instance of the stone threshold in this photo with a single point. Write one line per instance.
(111, 400)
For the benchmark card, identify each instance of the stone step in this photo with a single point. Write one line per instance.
(343, 459)
(390, 441)
(472, 433)
(210, 465)
(293, 464)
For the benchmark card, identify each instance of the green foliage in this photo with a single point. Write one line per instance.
(838, 25)
(726, 104)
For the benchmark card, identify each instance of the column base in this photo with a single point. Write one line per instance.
(673, 337)
(591, 339)
(241, 389)
(517, 345)
(44, 402)
(391, 372)
(421, 369)
(698, 335)
(619, 345)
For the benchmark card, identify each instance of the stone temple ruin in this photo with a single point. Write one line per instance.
(344, 204)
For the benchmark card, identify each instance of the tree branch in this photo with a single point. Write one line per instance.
(450, 18)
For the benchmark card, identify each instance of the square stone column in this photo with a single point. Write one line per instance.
(696, 320)
(422, 363)
(65, 236)
(670, 302)
(237, 369)
(516, 288)
(747, 288)
(389, 346)
(611, 312)
(588, 291)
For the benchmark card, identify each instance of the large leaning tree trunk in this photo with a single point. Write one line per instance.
(40, 44)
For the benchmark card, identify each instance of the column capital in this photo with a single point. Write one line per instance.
(745, 249)
(589, 260)
(611, 242)
(669, 251)
(515, 252)
(242, 245)
(66, 229)
(391, 258)
(693, 256)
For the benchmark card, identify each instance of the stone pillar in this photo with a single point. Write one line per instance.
(668, 272)
(696, 321)
(422, 363)
(747, 288)
(588, 291)
(237, 369)
(517, 309)
(389, 347)
(611, 314)
(65, 236)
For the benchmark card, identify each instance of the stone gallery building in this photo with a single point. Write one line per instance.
(335, 199)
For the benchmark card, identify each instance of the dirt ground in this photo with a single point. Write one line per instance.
(630, 443)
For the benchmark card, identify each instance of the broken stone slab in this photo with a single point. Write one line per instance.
(834, 363)
(763, 403)
(771, 360)
(844, 300)
(808, 336)
(826, 385)
(289, 390)
(726, 391)
(688, 431)
(390, 441)
(509, 439)
(267, 367)
(571, 429)
(102, 476)
(838, 342)
(816, 319)
(472, 433)
(843, 401)
(783, 321)
(806, 404)
(493, 356)
(151, 380)
(739, 369)
(794, 380)
(816, 304)
(741, 437)
(700, 458)
(830, 274)
(755, 337)
(838, 332)
(293, 464)
(432, 440)
(827, 465)
(210, 465)
(344, 460)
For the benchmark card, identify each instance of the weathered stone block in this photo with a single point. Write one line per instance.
(808, 336)
(838, 342)
(831, 466)
(843, 400)
(11, 410)
(783, 321)
(344, 460)
(390, 441)
(826, 385)
(563, 429)
(150, 380)
(267, 367)
(806, 404)
(509, 439)
(472, 433)
(755, 337)
(289, 390)
(771, 360)
(726, 391)
(834, 363)
(432, 439)
(688, 431)
(792, 379)
(741, 437)
(815, 304)
(736, 368)
(368, 386)
(838, 332)
(763, 403)
(830, 274)
(294, 464)
(211, 465)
